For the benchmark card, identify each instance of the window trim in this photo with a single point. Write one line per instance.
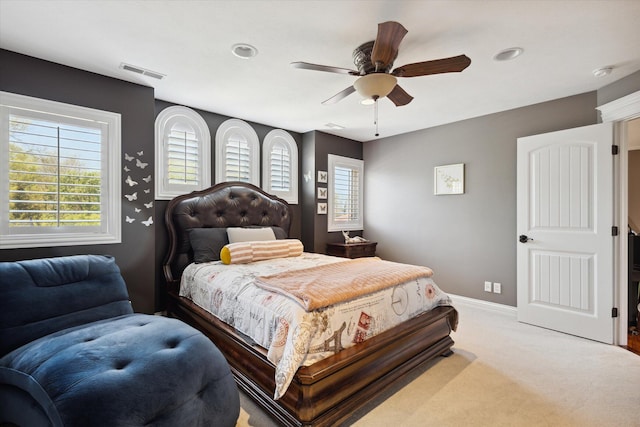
(110, 193)
(347, 162)
(245, 129)
(163, 125)
(284, 137)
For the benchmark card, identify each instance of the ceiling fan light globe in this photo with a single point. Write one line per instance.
(375, 85)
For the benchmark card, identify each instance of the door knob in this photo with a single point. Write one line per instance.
(524, 238)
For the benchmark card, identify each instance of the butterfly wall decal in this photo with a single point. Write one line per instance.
(147, 179)
(127, 157)
(130, 181)
(140, 164)
(148, 222)
(129, 220)
(131, 197)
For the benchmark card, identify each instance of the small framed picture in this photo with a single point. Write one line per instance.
(448, 179)
(322, 192)
(322, 177)
(322, 208)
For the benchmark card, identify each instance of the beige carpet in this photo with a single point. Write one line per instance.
(505, 373)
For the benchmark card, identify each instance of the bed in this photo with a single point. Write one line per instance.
(327, 391)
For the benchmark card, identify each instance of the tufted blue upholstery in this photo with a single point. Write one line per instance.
(42, 296)
(97, 363)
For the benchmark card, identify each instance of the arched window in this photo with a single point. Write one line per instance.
(183, 152)
(237, 153)
(280, 165)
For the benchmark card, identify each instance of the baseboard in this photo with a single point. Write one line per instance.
(486, 305)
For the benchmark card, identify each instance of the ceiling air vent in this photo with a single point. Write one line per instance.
(334, 126)
(143, 71)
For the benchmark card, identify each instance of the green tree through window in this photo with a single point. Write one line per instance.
(54, 174)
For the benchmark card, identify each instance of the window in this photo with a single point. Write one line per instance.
(60, 177)
(183, 152)
(237, 153)
(346, 177)
(280, 165)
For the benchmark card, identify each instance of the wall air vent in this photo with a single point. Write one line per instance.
(143, 71)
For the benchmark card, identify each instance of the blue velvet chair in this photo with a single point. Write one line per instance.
(73, 353)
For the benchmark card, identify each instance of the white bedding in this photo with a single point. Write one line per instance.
(292, 336)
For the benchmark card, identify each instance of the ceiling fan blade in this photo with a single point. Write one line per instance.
(327, 68)
(399, 97)
(445, 65)
(340, 96)
(385, 48)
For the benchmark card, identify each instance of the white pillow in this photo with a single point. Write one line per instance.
(239, 234)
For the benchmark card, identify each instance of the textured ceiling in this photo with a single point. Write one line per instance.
(190, 42)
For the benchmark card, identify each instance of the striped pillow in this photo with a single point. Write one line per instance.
(245, 252)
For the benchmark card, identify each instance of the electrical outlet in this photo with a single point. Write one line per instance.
(487, 286)
(497, 288)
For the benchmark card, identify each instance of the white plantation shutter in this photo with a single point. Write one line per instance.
(183, 157)
(60, 175)
(183, 152)
(280, 165)
(346, 178)
(237, 152)
(237, 161)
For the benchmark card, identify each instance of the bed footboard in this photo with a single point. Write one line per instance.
(332, 389)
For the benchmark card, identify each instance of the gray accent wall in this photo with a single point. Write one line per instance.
(466, 239)
(619, 88)
(142, 251)
(29, 76)
(470, 238)
(316, 146)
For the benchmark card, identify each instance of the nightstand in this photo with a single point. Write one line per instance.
(352, 250)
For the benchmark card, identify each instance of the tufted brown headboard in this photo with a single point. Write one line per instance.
(228, 204)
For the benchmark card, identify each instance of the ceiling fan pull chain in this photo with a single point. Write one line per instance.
(375, 114)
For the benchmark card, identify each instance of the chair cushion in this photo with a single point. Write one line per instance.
(132, 370)
(42, 296)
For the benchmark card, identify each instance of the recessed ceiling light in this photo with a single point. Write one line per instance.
(601, 72)
(244, 51)
(508, 54)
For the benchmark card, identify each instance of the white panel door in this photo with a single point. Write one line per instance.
(564, 219)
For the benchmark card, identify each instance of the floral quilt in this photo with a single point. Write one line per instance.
(292, 336)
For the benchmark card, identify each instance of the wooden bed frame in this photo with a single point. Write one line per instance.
(329, 391)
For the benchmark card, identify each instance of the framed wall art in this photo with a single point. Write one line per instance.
(322, 177)
(322, 208)
(322, 192)
(448, 179)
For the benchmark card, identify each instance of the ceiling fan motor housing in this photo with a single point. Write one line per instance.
(362, 59)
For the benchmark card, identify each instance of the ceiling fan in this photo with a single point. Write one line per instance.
(374, 61)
